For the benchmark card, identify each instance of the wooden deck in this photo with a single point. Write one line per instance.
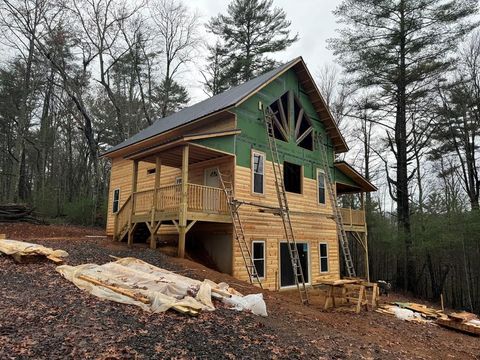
(154, 206)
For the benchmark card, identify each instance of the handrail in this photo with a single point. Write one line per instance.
(124, 204)
(122, 216)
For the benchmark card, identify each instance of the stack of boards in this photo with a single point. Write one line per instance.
(463, 321)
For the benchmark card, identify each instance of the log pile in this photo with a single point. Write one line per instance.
(18, 213)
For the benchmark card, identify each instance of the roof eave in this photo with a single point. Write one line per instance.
(365, 185)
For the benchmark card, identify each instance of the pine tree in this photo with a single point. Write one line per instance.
(250, 30)
(170, 96)
(215, 73)
(399, 48)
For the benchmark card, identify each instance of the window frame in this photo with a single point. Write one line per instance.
(178, 180)
(320, 257)
(116, 190)
(321, 171)
(302, 175)
(252, 175)
(259, 241)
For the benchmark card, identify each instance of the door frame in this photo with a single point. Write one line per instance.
(309, 265)
(206, 170)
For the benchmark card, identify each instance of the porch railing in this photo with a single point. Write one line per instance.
(199, 198)
(142, 201)
(207, 199)
(168, 197)
(353, 217)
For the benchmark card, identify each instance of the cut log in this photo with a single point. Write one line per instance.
(18, 213)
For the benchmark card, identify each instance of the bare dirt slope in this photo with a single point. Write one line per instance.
(44, 316)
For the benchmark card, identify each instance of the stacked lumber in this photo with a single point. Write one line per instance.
(18, 213)
(464, 321)
(414, 312)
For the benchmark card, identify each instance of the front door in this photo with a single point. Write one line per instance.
(211, 177)
(286, 270)
(211, 197)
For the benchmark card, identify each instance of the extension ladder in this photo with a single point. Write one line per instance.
(233, 206)
(284, 210)
(337, 214)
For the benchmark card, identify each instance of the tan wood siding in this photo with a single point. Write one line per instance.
(309, 220)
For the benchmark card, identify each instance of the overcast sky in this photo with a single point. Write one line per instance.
(311, 19)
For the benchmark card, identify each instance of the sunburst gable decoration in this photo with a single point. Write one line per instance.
(301, 130)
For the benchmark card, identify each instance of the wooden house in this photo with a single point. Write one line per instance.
(165, 185)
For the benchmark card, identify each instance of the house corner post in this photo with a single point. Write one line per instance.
(134, 190)
(182, 220)
(115, 226)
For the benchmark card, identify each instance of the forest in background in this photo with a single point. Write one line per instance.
(79, 76)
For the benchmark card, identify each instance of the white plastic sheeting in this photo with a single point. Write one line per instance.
(149, 287)
(21, 248)
(253, 303)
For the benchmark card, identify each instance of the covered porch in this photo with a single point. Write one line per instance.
(181, 201)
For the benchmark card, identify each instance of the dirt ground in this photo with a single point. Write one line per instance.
(43, 316)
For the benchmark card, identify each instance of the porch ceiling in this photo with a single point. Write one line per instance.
(173, 156)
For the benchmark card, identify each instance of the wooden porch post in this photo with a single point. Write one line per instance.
(182, 220)
(365, 235)
(154, 225)
(134, 190)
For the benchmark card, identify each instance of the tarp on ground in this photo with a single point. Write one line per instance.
(21, 248)
(133, 281)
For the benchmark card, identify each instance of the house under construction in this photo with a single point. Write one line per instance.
(249, 176)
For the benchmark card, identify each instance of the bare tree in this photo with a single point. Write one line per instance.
(177, 31)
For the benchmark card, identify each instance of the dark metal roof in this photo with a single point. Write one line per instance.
(203, 108)
(353, 174)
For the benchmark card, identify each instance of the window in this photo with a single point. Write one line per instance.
(151, 171)
(321, 186)
(323, 250)
(178, 180)
(116, 199)
(258, 172)
(258, 256)
(292, 177)
(303, 126)
(280, 110)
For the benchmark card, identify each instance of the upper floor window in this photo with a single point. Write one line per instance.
(321, 186)
(258, 172)
(292, 177)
